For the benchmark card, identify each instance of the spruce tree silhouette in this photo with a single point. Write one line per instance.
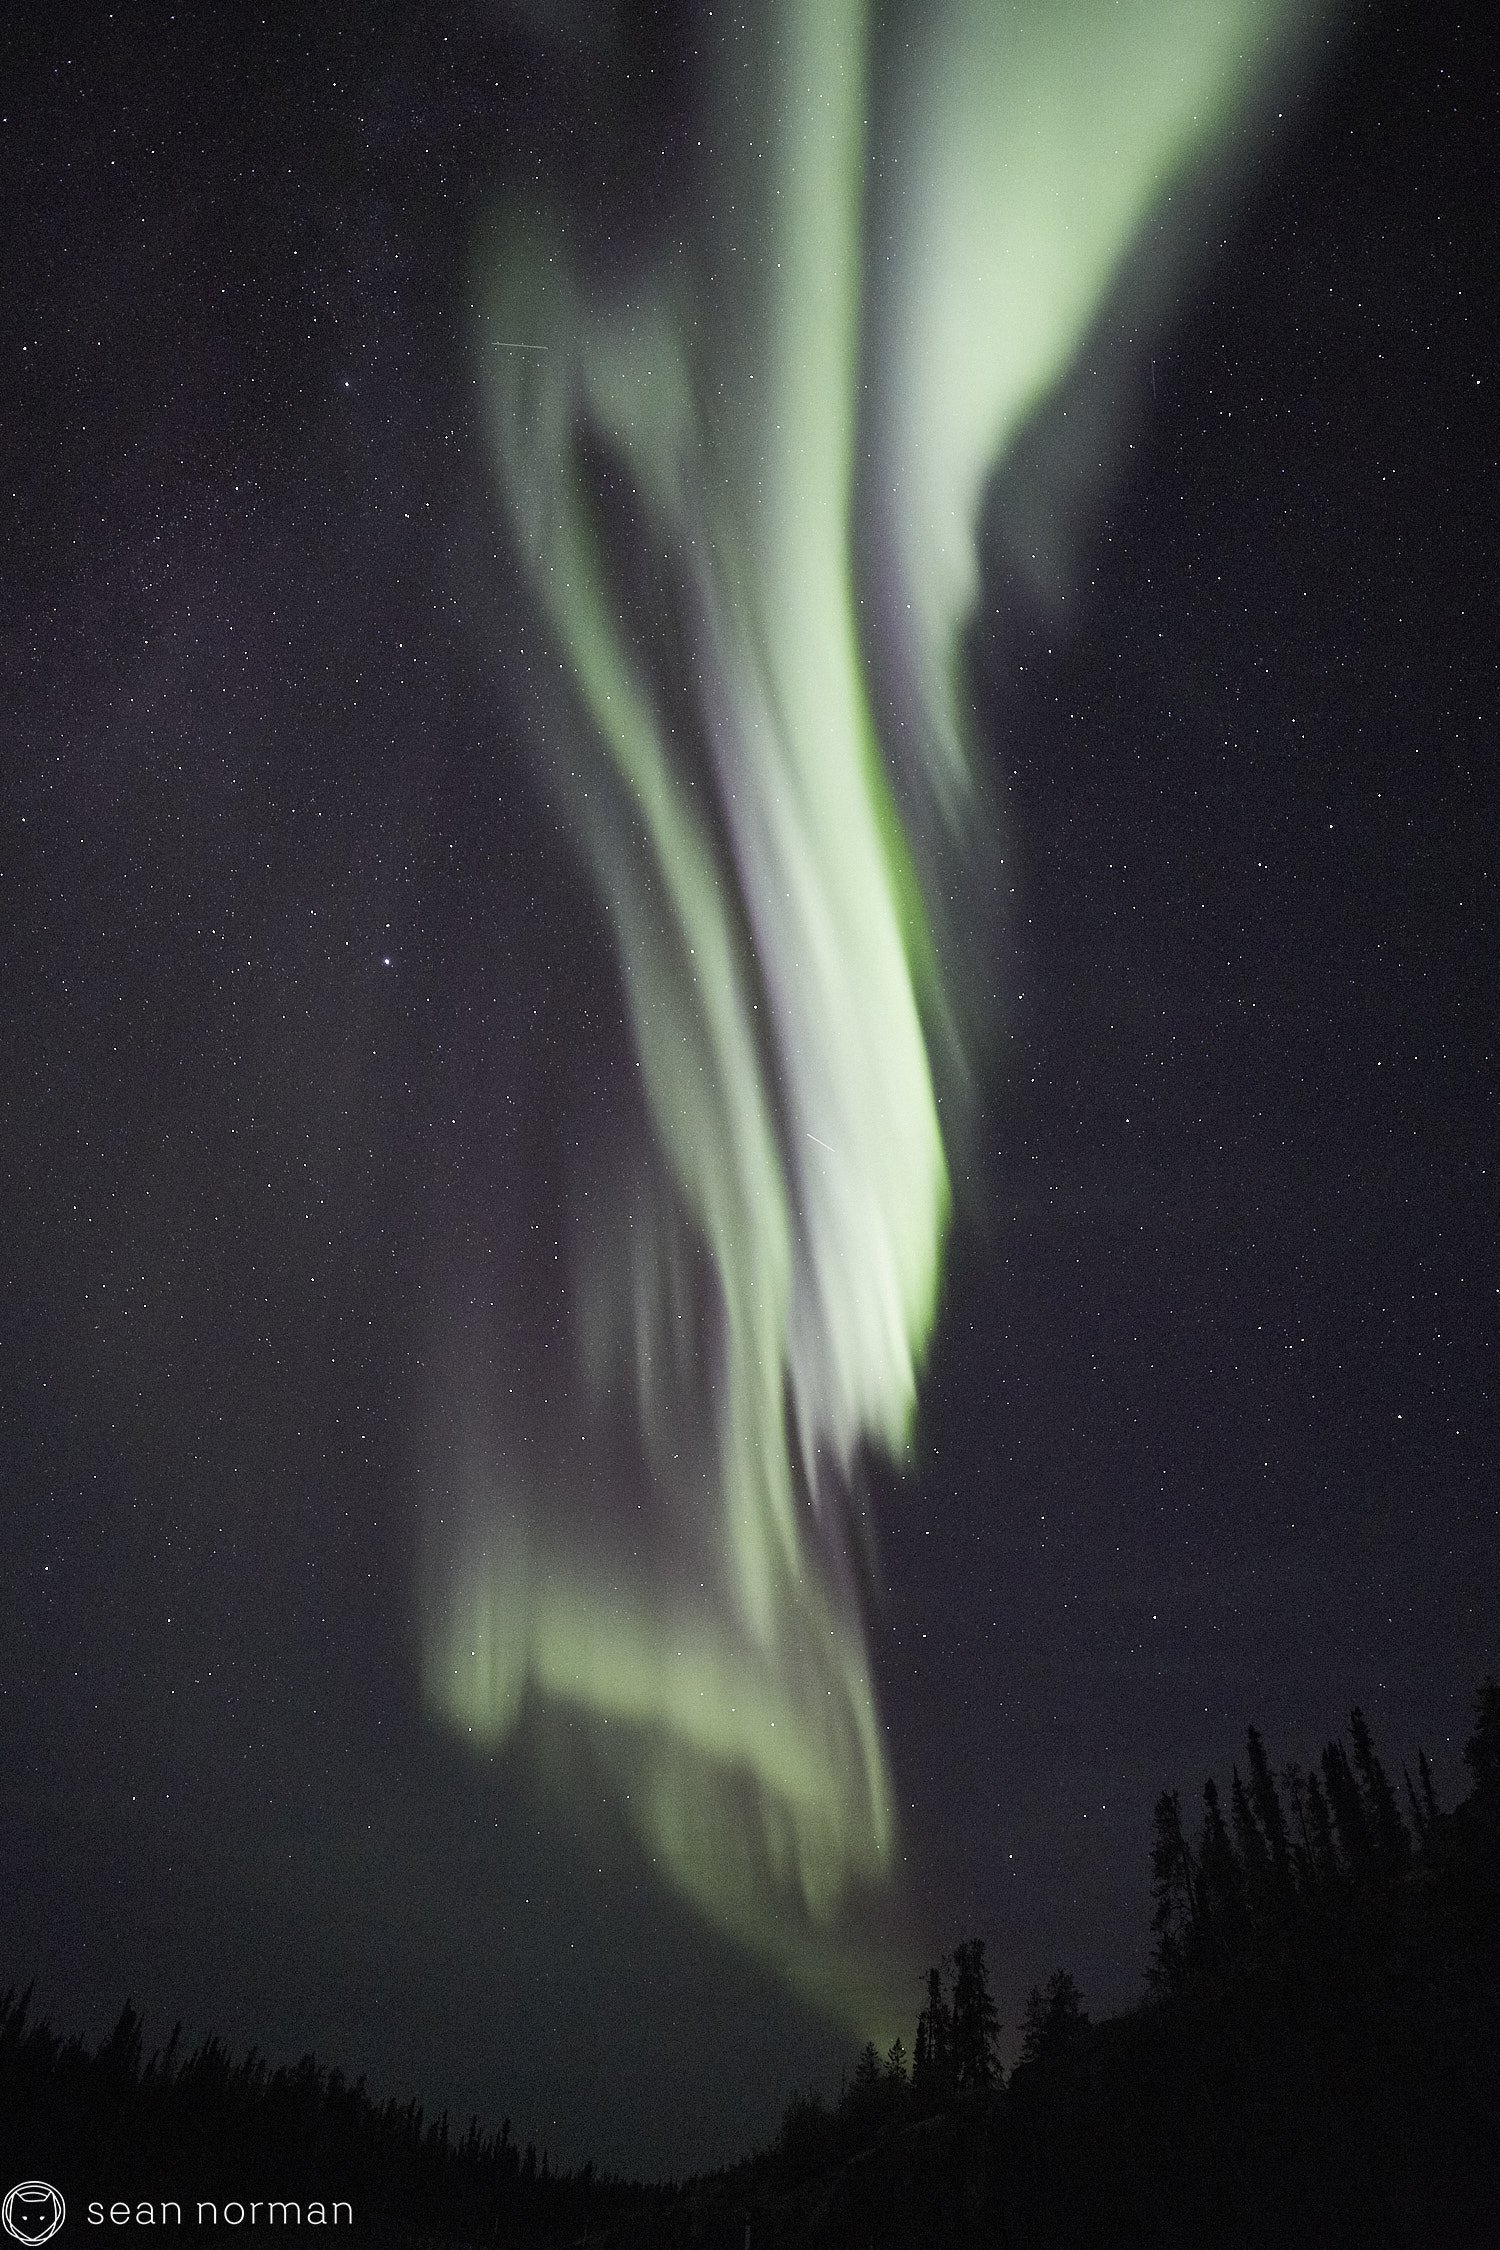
(1055, 2028)
(975, 2023)
(1390, 1839)
(1482, 1755)
(932, 2076)
(1254, 1854)
(1174, 1893)
(1269, 1813)
(1351, 1825)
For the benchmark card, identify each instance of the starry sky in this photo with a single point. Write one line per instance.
(306, 1012)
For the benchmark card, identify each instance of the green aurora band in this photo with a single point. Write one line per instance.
(840, 345)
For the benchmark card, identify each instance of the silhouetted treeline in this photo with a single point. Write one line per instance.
(954, 2061)
(1316, 2059)
(117, 2125)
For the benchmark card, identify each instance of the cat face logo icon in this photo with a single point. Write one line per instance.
(32, 2211)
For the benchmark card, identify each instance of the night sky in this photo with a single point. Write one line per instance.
(309, 1018)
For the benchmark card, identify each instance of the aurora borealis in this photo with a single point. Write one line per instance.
(720, 751)
(745, 1134)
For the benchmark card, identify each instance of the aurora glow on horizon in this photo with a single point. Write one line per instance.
(744, 487)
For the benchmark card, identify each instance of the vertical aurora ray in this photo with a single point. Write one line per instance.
(819, 353)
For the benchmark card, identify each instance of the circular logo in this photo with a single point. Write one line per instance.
(32, 2211)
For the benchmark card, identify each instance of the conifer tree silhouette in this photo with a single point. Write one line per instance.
(1418, 1810)
(932, 2076)
(1272, 1819)
(975, 2024)
(1174, 1917)
(1476, 1826)
(1055, 2028)
(1254, 1852)
(1223, 1881)
(1482, 1750)
(1389, 1837)
(1347, 1806)
(1325, 1858)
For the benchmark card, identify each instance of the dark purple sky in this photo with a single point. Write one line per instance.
(1209, 1435)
